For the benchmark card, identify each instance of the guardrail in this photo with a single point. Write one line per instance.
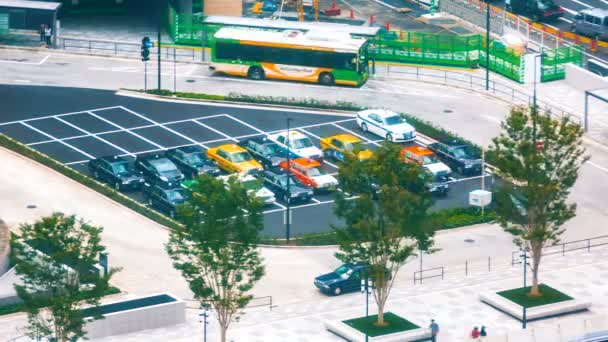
(419, 275)
(460, 79)
(131, 50)
(564, 247)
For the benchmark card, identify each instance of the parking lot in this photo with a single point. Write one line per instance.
(140, 126)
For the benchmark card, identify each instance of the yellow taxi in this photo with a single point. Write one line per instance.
(234, 159)
(340, 145)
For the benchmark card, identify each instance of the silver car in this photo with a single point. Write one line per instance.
(592, 22)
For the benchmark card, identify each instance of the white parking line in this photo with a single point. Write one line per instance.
(468, 178)
(214, 130)
(597, 166)
(61, 142)
(569, 10)
(126, 130)
(357, 135)
(53, 116)
(581, 3)
(318, 137)
(566, 20)
(96, 137)
(246, 124)
(315, 200)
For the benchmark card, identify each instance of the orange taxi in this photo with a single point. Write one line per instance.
(309, 173)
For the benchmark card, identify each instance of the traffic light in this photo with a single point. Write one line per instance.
(146, 44)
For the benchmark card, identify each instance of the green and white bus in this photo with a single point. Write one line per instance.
(317, 57)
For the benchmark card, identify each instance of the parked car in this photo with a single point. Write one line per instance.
(266, 152)
(299, 144)
(165, 197)
(233, 158)
(276, 180)
(192, 161)
(308, 172)
(438, 185)
(156, 169)
(386, 124)
(537, 10)
(426, 158)
(592, 22)
(597, 67)
(115, 171)
(341, 145)
(459, 157)
(253, 186)
(346, 278)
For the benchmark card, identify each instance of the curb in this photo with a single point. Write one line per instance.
(137, 94)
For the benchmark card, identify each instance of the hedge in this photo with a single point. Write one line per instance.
(422, 126)
(447, 218)
(103, 189)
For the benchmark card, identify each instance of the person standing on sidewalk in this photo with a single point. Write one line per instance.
(47, 35)
(434, 330)
(42, 32)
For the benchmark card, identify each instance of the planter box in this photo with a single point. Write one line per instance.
(535, 313)
(133, 315)
(354, 335)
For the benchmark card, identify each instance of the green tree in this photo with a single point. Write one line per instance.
(216, 249)
(384, 207)
(539, 157)
(55, 260)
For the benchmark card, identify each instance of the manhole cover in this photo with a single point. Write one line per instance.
(190, 81)
(447, 111)
(469, 240)
(31, 206)
(62, 64)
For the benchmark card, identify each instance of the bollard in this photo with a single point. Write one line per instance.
(489, 263)
(388, 25)
(371, 19)
(593, 45)
(466, 268)
(351, 14)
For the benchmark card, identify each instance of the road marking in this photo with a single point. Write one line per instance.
(566, 20)
(246, 124)
(569, 10)
(53, 116)
(315, 200)
(468, 178)
(357, 135)
(96, 137)
(280, 205)
(61, 142)
(551, 26)
(44, 59)
(23, 81)
(382, 3)
(215, 130)
(127, 130)
(28, 63)
(581, 3)
(597, 166)
(318, 137)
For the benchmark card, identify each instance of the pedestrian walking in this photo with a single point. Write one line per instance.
(475, 333)
(47, 35)
(434, 330)
(41, 32)
(483, 332)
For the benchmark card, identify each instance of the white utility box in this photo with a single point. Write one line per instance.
(480, 198)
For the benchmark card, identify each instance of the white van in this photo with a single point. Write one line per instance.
(592, 22)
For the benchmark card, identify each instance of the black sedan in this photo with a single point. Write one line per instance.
(264, 151)
(115, 171)
(164, 197)
(157, 169)
(346, 278)
(459, 157)
(192, 161)
(276, 181)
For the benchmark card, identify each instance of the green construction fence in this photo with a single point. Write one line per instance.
(554, 61)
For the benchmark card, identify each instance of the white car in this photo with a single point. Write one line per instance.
(387, 124)
(253, 185)
(299, 144)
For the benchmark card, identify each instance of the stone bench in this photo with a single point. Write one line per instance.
(354, 335)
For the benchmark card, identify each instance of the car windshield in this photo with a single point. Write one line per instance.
(545, 4)
(196, 158)
(344, 271)
(301, 143)
(283, 181)
(394, 120)
(314, 172)
(271, 149)
(251, 184)
(119, 168)
(461, 152)
(163, 165)
(239, 157)
(429, 159)
(175, 195)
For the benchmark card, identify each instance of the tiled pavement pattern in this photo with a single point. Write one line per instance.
(453, 302)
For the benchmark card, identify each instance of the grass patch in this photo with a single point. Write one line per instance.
(520, 296)
(395, 324)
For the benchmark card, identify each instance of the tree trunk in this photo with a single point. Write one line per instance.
(223, 330)
(536, 255)
(380, 322)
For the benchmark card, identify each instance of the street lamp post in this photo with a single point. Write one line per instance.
(487, 44)
(525, 261)
(204, 316)
(365, 287)
(160, 12)
(288, 204)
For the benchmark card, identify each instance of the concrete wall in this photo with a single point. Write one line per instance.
(582, 79)
(124, 322)
(224, 7)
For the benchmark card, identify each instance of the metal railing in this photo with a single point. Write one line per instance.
(253, 303)
(564, 247)
(437, 272)
(477, 83)
(131, 50)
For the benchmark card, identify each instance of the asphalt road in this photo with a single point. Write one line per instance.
(75, 125)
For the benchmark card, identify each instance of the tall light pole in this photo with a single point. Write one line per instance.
(160, 14)
(288, 209)
(525, 257)
(487, 44)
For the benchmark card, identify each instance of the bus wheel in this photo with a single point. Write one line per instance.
(255, 73)
(326, 79)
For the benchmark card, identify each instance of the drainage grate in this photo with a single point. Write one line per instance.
(469, 240)
(448, 111)
(32, 206)
(190, 81)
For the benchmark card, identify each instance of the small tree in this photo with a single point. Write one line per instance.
(55, 260)
(216, 250)
(387, 219)
(539, 157)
